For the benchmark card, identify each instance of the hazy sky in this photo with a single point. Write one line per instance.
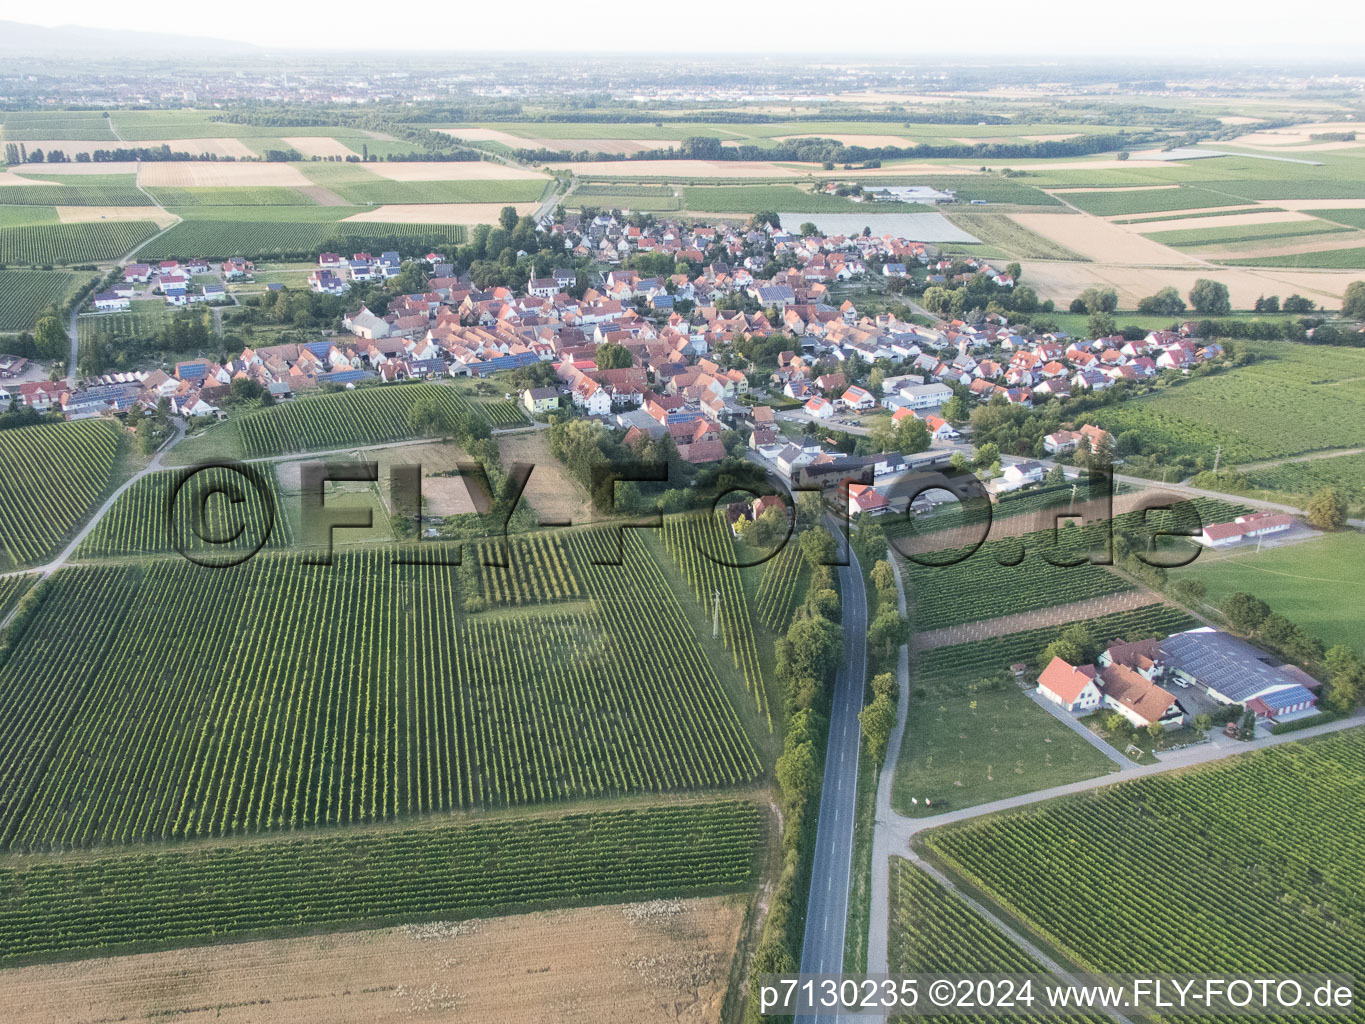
(1210, 30)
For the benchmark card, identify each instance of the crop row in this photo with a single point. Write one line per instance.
(51, 475)
(704, 551)
(219, 239)
(202, 702)
(52, 906)
(96, 242)
(366, 416)
(209, 513)
(24, 294)
(776, 597)
(537, 569)
(73, 195)
(1280, 826)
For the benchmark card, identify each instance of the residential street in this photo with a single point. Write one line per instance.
(827, 912)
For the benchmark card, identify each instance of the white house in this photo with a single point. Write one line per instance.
(109, 302)
(820, 408)
(1068, 686)
(858, 398)
(1021, 474)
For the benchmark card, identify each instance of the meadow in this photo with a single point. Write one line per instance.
(24, 294)
(1293, 399)
(263, 714)
(1078, 870)
(1315, 584)
(56, 906)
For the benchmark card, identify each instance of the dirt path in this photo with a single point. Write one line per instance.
(1055, 615)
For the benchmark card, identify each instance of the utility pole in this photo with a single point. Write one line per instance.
(715, 618)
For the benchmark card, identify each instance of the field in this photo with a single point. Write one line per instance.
(1293, 399)
(250, 196)
(1106, 203)
(478, 869)
(1353, 218)
(26, 125)
(144, 318)
(752, 198)
(934, 932)
(775, 602)
(365, 416)
(1282, 822)
(1010, 237)
(463, 191)
(72, 243)
(690, 539)
(466, 214)
(275, 695)
(161, 513)
(51, 476)
(1001, 578)
(265, 237)
(1238, 234)
(74, 195)
(1315, 584)
(24, 294)
(554, 495)
(1301, 479)
(666, 959)
(1327, 259)
(167, 174)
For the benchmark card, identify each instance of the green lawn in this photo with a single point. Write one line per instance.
(1318, 585)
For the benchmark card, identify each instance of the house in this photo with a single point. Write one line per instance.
(540, 400)
(1062, 442)
(1020, 474)
(702, 452)
(939, 428)
(1070, 687)
(865, 498)
(819, 408)
(1253, 525)
(110, 302)
(324, 282)
(858, 398)
(925, 396)
(1232, 671)
(138, 272)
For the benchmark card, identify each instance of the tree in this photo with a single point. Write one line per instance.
(1298, 304)
(50, 340)
(1166, 302)
(1097, 300)
(428, 418)
(612, 356)
(765, 218)
(955, 410)
(1327, 509)
(507, 217)
(1202, 722)
(1210, 298)
(1353, 302)
(877, 720)
(1245, 612)
(808, 228)
(1075, 645)
(987, 455)
(796, 773)
(1100, 325)
(1015, 271)
(1267, 304)
(1190, 590)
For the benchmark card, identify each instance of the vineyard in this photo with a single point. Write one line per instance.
(502, 413)
(777, 589)
(144, 319)
(143, 521)
(58, 906)
(537, 570)
(51, 476)
(690, 539)
(94, 242)
(218, 239)
(74, 195)
(11, 589)
(413, 192)
(365, 416)
(24, 294)
(197, 702)
(949, 668)
(1257, 860)
(933, 932)
(1003, 577)
(262, 195)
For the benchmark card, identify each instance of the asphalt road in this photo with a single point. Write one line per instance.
(822, 952)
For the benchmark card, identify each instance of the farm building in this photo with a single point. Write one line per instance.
(1248, 527)
(1232, 671)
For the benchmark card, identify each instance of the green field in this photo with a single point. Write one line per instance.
(23, 216)
(495, 191)
(73, 195)
(627, 199)
(1317, 584)
(297, 695)
(96, 242)
(1265, 848)
(783, 198)
(26, 293)
(1350, 218)
(56, 906)
(280, 238)
(1301, 479)
(1244, 233)
(1327, 259)
(51, 476)
(1293, 399)
(1147, 200)
(261, 196)
(28, 125)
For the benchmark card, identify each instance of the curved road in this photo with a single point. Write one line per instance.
(827, 912)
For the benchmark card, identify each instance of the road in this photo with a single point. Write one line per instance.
(822, 952)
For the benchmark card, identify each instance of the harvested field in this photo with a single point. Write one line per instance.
(678, 170)
(1100, 240)
(319, 145)
(1322, 204)
(219, 175)
(1251, 217)
(10, 178)
(1062, 282)
(78, 214)
(486, 135)
(554, 495)
(437, 213)
(667, 960)
(58, 170)
(449, 170)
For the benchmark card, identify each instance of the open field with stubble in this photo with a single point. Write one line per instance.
(622, 964)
